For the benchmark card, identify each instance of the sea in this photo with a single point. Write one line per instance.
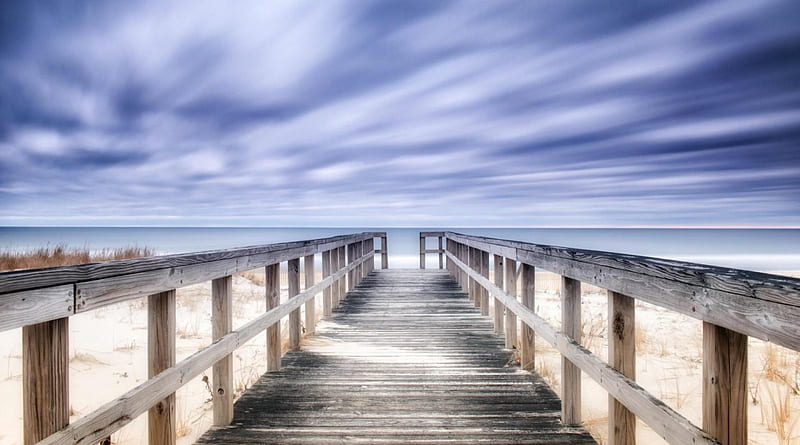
(766, 250)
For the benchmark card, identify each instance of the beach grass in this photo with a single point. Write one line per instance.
(64, 255)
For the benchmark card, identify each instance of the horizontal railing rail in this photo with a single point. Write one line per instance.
(733, 304)
(41, 301)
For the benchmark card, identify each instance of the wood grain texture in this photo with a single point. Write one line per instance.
(570, 374)
(665, 421)
(33, 296)
(384, 252)
(755, 304)
(499, 309)
(23, 308)
(511, 290)
(621, 356)
(272, 282)
(160, 357)
(119, 412)
(483, 261)
(434, 372)
(725, 384)
(343, 281)
(421, 251)
(45, 379)
(222, 372)
(277, 252)
(441, 253)
(293, 269)
(326, 293)
(311, 305)
(528, 342)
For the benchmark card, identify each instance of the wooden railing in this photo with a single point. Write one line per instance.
(733, 304)
(41, 302)
(424, 250)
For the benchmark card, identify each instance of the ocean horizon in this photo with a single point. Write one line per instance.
(766, 250)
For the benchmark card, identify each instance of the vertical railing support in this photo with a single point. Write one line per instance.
(273, 293)
(160, 356)
(222, 372)
(528, 342)
(384, 253)
(343, 282)
(311, 305)
(570, 374)
(351, 276)
(483, 262)
(725, 384)
(499, 309)
(421, 251)
(293, 276)
(441, 254)
(326, 293)
(474, 289)
(511, 290)
(45, 379)
(622, 357)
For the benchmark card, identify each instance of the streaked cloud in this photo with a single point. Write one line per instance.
(400, 113)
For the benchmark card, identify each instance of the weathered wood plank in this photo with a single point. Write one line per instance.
(528, 342)
(272, 281)
(222, 372)
(665, 421)
(45, 379)
(271, 253)
(384, 252)
(622, 357)
(421, 251)
(441, 253)
(311, 305)
(326, 293)
(119, 412)
(725, 384)
(570, 374)
(511, 289)
(759, 305)
(483, 262)
(22, 308)
(499, 309)
(343, 281)
(293, 267)
(161, 356)
(436, 373)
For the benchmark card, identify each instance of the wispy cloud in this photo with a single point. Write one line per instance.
(400, 113)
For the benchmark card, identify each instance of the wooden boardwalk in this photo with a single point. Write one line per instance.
(405, 359)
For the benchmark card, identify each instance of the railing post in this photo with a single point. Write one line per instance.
(570, 374)
(360, 267)
(273, 292)
(222, 372)
(463, 254)
(483, 261)
(474, 290)
(511, 290)
(421, 251)
(499, 309)
(622, 357)
(351, 276)
(160, 356)
(528, 287)
(45, 378)
(725, 384)
(336, 285)
(311, 305)
(293, 276)
(384, 253)
(326, 293)
(343, 282)
(441, 254)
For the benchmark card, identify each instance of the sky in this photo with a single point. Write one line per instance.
(400, 113)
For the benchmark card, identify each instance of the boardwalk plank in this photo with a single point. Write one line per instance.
(406, 358)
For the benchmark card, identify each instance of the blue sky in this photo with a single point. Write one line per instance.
(400, 113)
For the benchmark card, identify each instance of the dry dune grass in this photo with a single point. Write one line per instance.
(63, 255)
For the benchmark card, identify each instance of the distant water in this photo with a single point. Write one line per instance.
(753, 249)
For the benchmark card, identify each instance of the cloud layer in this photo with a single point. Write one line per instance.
(400, 113)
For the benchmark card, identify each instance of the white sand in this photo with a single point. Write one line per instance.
(108, 356)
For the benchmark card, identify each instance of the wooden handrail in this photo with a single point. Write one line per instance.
(732, 304)
(39, 295)
(41, 301)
